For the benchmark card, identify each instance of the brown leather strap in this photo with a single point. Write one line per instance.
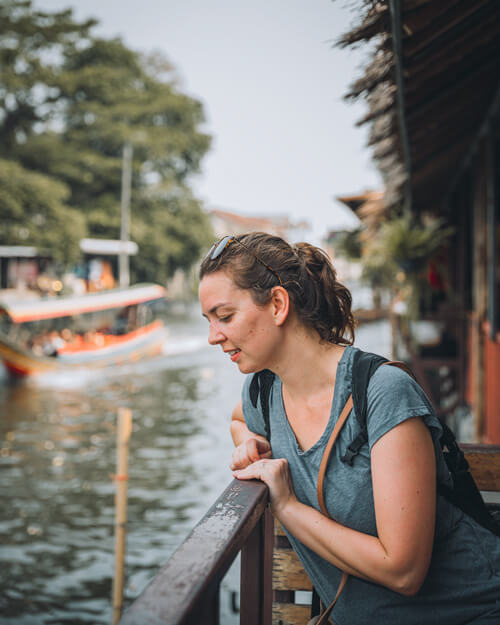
(323, 618)
(328, 450)
(338, 426)
(401, 365)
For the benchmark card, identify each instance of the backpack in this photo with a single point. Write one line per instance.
(464, 493)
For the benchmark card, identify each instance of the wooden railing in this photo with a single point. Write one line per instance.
(273, 582)
(186, 590)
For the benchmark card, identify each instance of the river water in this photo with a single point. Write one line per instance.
(57, 455)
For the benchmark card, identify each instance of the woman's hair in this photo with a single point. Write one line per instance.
(306, 272)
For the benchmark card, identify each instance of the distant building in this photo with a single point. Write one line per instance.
(227, 222)
(21, 266)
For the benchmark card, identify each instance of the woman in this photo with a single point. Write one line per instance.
(413, 558)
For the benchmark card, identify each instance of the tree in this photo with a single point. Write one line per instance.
(85, 98)
(32, 44)
(33, 211)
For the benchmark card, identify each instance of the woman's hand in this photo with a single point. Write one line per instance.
(250, 450)
(276, 474)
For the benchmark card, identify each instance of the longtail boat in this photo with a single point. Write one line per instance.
(92, 330)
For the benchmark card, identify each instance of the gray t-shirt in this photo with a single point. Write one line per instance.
(463, 581)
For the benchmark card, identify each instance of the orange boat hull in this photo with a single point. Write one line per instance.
(113, 350)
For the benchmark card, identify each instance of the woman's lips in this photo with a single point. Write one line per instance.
(234, 354)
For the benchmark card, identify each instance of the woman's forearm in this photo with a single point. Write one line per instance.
(239, 432)
(351, 551)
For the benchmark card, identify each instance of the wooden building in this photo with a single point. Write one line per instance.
(432, 88)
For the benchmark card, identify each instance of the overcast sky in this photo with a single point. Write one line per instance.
(271, 83)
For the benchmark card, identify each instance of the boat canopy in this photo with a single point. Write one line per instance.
(33, 310)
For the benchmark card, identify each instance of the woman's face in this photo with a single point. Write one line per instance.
(247, 333)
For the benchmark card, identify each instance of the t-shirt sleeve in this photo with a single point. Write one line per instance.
(253, 416)
(393, 397)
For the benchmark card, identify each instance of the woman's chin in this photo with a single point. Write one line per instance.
(246, 367)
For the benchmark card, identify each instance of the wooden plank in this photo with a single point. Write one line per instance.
(484, 461)
(290, 614)
(288, 573)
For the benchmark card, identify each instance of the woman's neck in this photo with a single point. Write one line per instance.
(306, 365)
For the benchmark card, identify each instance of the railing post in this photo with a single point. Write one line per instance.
(208, 611)
(256, 592)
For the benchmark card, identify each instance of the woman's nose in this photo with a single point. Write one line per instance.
(215, 336)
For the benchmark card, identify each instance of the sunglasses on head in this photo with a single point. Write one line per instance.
(219, 246)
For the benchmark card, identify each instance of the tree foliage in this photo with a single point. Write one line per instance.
(69, 103)
(33, 212)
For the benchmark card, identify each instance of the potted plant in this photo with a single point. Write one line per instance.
(416, 248)
(412, 244)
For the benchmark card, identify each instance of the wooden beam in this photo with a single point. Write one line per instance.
(441, 135)
(492, 220)
(429, 97)
(438, 163)
(440, 19)
(446, 57)
(395, 9)
(494, 108)
(480, 291)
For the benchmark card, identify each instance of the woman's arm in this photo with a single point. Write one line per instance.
(404, 491)
(250, 447)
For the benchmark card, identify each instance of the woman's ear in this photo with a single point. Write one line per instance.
(280, 305)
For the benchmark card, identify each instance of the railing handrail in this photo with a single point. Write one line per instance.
(193, 573)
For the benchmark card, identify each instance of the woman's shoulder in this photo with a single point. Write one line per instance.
(392, 379)
(392, 397)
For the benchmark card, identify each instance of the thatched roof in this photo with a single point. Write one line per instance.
(432, 80)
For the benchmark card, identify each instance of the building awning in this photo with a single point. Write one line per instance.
(108, 247)
(18, 251)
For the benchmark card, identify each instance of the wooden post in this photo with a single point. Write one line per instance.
(122, 440)
(480, 293)
(256, 593)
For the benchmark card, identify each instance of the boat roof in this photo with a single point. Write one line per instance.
(33, 310)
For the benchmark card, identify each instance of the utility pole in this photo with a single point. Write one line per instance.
(124, 273)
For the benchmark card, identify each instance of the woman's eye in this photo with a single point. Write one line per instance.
(225, 319)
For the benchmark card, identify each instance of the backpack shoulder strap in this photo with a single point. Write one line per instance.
(260, 387)
(363, 367)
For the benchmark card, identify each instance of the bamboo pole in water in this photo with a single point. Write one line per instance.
(122, 441)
